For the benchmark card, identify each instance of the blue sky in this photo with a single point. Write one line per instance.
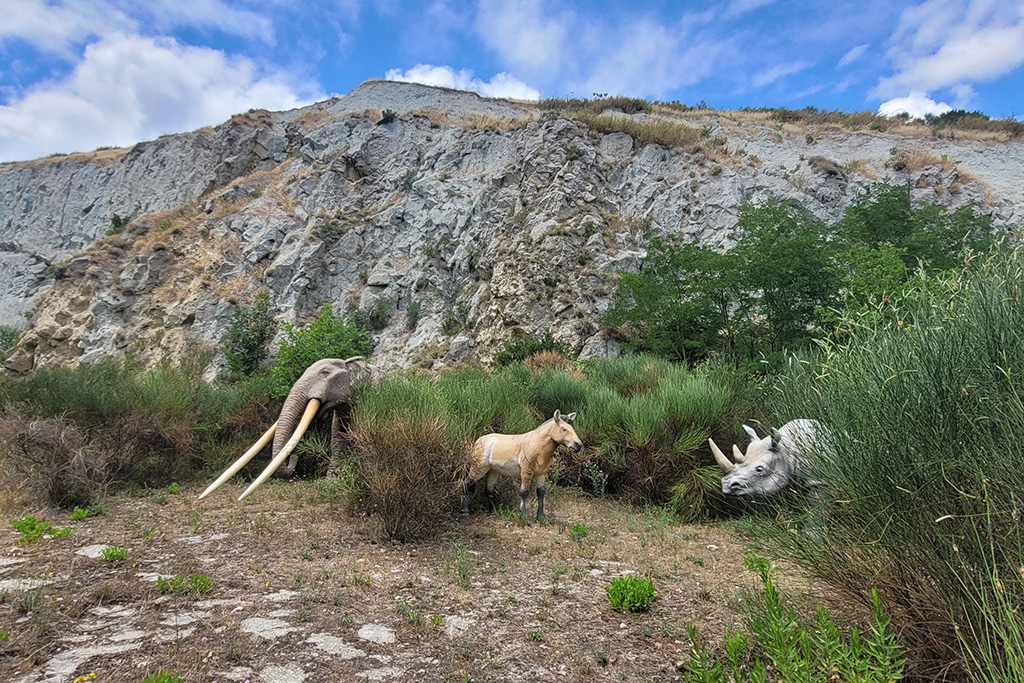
(78, 74)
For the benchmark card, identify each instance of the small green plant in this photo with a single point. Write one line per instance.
(436, 620)
(534, 635)
(248, 333)
(631, 593)
(114, 553)
(117, 224)
(173, 487)
(164, 676)
(818, 653)
(79, 513)
(8, 338)
(578, 531)
(517, 350)
(387, 116)
(32, 529)
(194, 583)
(456, 319)
(572, 152)
(412, 313)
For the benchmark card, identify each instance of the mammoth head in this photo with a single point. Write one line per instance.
(324, 386)
(762, 470)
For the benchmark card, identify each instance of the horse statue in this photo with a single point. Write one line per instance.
(523, 456)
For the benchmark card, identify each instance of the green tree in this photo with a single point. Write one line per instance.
(789, 271)
(248, 334)
(680, 302)
(326, 336)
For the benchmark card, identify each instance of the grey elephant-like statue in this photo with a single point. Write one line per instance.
(325, 386)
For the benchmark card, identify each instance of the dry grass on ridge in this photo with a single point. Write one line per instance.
(532, 597)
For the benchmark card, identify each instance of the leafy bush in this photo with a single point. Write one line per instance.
(787, 279)
(631, 593)
(818, 653)
(248, 333)
(327, 336)
(387, 116)
(376, 316)
(518, 350)
(408, 466)
(70, 433)
(927, 397)
(8, 338)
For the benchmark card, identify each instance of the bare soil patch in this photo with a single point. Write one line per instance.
(302, 591)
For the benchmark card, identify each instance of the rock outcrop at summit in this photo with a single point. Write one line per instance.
(463, 221)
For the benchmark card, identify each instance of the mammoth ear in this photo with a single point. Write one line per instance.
(750, 431)
(570, 417)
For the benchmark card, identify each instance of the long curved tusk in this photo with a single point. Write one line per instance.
(720, 458)
(738, 454)
(240, 463)
(311, 408)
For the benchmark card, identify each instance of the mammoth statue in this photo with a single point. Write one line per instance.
(325, 386)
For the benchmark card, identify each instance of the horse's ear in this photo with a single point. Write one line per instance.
(558, 415)
(570, 417)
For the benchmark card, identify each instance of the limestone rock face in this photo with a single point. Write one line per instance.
(463, 222)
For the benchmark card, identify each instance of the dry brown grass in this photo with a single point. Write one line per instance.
(436, 117)
(653, 130)
(479, 121)
(102, 156)
(313, 118)
(254, 118)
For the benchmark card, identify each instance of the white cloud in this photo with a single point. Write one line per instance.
(652, 61)
(58, 26)
(737, 7)
(55, 27)
(773, 74)
(522, 35)
(853, 55)
(917, 104)
(944, 43)
(128, 88)
(501, 85)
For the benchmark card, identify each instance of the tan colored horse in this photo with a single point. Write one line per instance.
(523, 456)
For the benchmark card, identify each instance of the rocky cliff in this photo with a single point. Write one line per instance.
(461, 222)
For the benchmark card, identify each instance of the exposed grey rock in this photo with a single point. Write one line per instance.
(490, 224)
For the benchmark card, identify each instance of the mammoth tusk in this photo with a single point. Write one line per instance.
(240, 463)
(311, 409)
(720, 458)
(737, 454)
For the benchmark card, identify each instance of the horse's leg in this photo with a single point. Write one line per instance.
(540, 497)
(492, 500)
(468, 484)
(524, 493)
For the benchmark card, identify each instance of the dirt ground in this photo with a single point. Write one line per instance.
(300, 591)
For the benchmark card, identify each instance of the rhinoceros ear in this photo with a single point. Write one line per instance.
(750, 431)
(776, 440)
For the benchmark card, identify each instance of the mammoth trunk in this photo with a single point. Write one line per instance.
(291, 414)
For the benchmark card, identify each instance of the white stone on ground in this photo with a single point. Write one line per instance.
(290, 673)
(456, 626)
(335, 646)
(267, 628)
(375, 633)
